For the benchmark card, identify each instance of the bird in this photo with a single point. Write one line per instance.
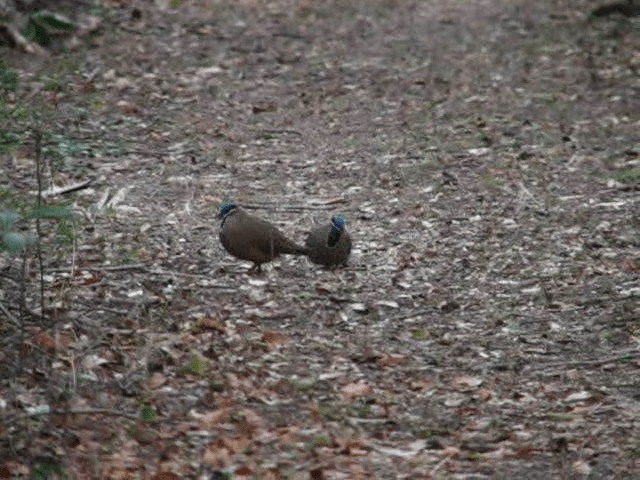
(329, 245)
(252, 238)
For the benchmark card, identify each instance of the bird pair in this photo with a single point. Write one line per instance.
(252, 238)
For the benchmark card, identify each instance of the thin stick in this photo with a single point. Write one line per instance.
(38, 152)
(79, 411)
(418, 313)
(275, 131)
(440, 463)
(12, 318)
(291, 208)
(66, 189)
(602, 361)
(108, 268)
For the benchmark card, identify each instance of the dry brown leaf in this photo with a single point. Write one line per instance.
(118, 474)
(323, 289)
(166, 476)
(45, 341)
(209, 323)
(236, 445)
(212, 419)
(525, 452)
(271, 474)
(465, 383)
(244, 471)
(355, 450)
(316, 474)
(274, 338)
(582, 467)
(421, 385)
(216, 457)
(252, 418)
(484, 394)
(156, 380)
(450, 451)
(356, 389)
(629, 266)
(391, 359)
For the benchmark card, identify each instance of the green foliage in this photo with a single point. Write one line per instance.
(52, 85)
(59, 149)
(8, 78)
(46, 471)
(43, 25)
(148, 414)
(197, 365)
(51, 212)
(420, 334)
(65, 232)
(318, 441)
(9, 141)
(13, 241)
(7, 219)
(631, 175)
(362, 410)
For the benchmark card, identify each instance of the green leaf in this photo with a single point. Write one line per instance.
(44, 471)
(7, 218)
(52, 22)
(197, 365)
(37, 33)
(8, 78)
(13, 241)
(147, 414)
(51, 212)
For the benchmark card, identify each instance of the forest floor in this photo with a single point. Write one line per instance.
(485, 157)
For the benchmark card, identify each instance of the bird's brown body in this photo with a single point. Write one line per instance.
(251, 238)
(323, 251)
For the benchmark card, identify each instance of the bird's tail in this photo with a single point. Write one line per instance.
(283, 245)
(292, 248)
(300, 250)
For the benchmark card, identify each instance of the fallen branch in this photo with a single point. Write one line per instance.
(418, 313)
(278, 207)
(276, 131)
(439, 465)
(582, 363)
(10, 316)
(108, 268)
(79, 411)
(66, 189)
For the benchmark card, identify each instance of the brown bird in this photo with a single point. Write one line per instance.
(251, 238)
(329, 245)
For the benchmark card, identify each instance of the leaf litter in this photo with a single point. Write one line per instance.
(476, 151)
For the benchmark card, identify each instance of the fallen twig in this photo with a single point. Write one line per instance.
(93, 268)
(10, 316)
(291, 209)
(418, 313)
(447, 457)
(65, 189)
(580, 363)
(275, 131)
(79, 411)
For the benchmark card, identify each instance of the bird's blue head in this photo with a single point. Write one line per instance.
(337, 223)
(226, 208)
(337, 227)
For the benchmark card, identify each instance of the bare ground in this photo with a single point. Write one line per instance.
(485, 156)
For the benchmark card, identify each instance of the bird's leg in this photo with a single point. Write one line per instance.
(271, 246)
(257, 268)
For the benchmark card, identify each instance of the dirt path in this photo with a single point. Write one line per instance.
(485, 157)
